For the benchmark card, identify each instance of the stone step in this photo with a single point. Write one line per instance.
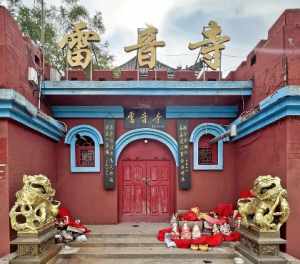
(126, 230)
(118, 242)
(146, 253)
(120, 235)
(126, 242)
(88, 260)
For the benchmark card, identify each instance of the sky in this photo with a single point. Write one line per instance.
(181, 21)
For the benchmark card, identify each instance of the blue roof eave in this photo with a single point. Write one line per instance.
(149, 88)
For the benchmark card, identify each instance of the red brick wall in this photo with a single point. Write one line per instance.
(25, 152)
(277, 60)
(262, 153)
(4, 207)
(84, 195)
(28, 153)
(293, 184)
(273, 150)
(17, 53)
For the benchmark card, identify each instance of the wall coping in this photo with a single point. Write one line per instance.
(283, 103)
(15, 106)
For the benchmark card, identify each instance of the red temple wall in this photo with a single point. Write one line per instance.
(261, 153)
(277, 60)
(28, 153)
(267, 152)
(4, 195)
(17, 54)
(209, 187)
(293, 184)
(274, 150)
(84, 195)
(25, 152)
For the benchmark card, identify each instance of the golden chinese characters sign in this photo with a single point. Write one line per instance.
(211, 46)
(146, 47)
(78, 42)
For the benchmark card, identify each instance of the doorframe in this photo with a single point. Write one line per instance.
(149, 133)
(146, 133)
(172, 196)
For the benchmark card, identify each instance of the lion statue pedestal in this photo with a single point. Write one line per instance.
(262, 216)
(33, 217)
(261, 247)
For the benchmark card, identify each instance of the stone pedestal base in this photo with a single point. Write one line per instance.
(261, 247)
(36, 248)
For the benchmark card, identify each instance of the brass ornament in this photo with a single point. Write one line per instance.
(79, 51)
(211, 46)
(35, 207)
(268, 210)
(146, 47)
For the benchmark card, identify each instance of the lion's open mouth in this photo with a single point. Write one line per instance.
(265, 189)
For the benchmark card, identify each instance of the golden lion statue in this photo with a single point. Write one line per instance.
(34, 207)
(268, 210)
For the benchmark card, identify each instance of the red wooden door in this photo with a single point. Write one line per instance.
(158, 188)
(133, 191)
(144, 190)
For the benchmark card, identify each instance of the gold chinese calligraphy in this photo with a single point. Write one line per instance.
(79, 52)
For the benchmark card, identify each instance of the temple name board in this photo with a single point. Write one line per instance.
(140, 118)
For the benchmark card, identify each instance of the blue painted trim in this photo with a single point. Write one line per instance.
(93, 133)
(198, 132)
(285, 102)
(16, 107)
(146, 133)
(148, 88)
(201, 111)
(88, 111)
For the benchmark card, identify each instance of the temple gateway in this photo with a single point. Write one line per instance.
(144, 140)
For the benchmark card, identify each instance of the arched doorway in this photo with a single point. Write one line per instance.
(146, 179)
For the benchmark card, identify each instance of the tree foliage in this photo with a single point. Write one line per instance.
(58, 21)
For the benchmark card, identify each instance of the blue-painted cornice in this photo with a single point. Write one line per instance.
(16, 107)
(285, 102)
(88, 111)
(210, 111)
(148, 88)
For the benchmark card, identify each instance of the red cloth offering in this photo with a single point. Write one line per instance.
(212, 241)
(215, 240)
(224, 209)
(234, 236)
(161, 233)
(212, 220)
(189, 216)
(246, 194)
(183, 243)
(69, 220)
(201, 240)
